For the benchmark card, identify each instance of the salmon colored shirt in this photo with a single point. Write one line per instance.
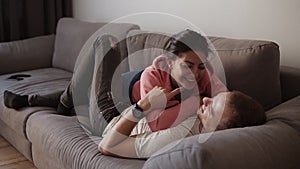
(157, 75)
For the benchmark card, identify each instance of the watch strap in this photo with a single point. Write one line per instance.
(137, 111)
(138, 107)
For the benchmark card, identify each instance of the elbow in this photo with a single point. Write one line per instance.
(102, 150)
(105, 151)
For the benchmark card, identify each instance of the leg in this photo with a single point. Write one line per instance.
(16, 101)
(49, 100)
(62, 100)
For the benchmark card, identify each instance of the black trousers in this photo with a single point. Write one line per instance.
(53, 99)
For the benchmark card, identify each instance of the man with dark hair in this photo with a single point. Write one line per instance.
(246, 110)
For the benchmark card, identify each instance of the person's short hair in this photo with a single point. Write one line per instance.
(245, 111)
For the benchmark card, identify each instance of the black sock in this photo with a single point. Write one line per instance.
(15, 101)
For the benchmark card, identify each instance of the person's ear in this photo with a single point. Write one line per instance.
(206, 100)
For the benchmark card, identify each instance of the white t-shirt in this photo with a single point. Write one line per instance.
(148, 142)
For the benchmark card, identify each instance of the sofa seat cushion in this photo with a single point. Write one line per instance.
(65, 145)
(42, 81)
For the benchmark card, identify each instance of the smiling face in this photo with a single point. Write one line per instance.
(214, 111)
(188, 69)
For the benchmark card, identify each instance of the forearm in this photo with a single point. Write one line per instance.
(171, 117)
(119, 133)
(121, 130)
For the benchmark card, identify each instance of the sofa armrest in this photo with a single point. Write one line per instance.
(290, 82)
(26, 54)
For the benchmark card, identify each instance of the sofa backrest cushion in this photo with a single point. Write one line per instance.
(143, 47)
(250, 66)
(71, 35)
(26, 54)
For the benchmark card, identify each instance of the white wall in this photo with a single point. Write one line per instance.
(276, 20)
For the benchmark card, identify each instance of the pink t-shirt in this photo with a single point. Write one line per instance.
(157, 75)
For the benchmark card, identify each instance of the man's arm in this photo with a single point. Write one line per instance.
(118, 142)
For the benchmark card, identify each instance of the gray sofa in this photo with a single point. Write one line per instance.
(53, 141)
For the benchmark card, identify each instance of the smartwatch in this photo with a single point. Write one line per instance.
(137, 111)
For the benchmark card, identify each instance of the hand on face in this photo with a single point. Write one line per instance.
(158, 98)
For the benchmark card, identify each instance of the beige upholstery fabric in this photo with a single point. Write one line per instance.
(15, 139)
(251, 66)
(60, 142)
(26, 54)
(275, 145)
(143, 47)
(290, 82)
(14, 122)
(71, 35)
(42, 81)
